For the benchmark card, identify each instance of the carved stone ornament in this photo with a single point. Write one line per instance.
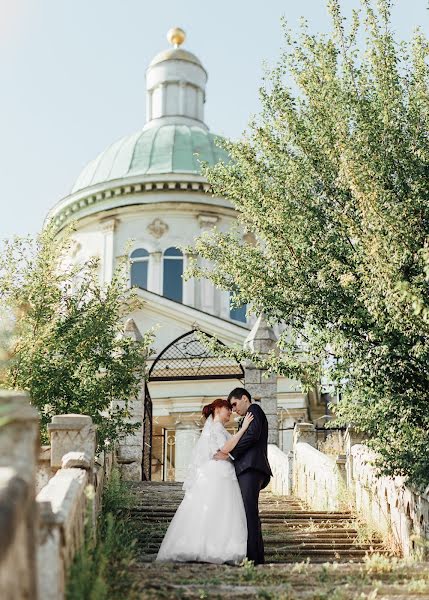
(157, 228)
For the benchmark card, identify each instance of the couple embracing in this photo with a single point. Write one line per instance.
(218, 519)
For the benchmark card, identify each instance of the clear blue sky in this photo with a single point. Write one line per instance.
(72, 78)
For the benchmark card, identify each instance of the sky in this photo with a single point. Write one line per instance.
(72, 77)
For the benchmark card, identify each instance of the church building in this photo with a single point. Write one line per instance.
(145, 195)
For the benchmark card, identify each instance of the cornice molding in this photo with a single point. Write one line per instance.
(62, 215)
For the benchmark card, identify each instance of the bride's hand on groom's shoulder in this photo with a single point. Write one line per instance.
(246, 421)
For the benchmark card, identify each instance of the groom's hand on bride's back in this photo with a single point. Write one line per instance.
(220, 455)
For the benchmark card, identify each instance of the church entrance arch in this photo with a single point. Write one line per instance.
(184, 359)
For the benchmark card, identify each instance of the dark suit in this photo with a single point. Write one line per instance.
(253, 473)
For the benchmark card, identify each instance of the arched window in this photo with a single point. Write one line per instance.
(239, 313)
(139, 268)
(173, 271)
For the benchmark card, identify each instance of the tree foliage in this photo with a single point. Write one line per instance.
(333, 180)
(65, 339)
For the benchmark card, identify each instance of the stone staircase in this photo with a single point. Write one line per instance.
(291, 532)
(310, 556)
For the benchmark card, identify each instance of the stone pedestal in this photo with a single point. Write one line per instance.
(263, 388)
(305, 432)
(71, 433)
(351, 438)
(186, 438)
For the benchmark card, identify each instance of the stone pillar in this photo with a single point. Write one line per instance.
(108, 229)
(155, 273)
(72, 433)
(351, 438)
(186, 438)
(263, 389)
(189, 285)
(207, 289)
(224, 308)
(19, 448)
(340, 461)
(305, 432)
(130, 448)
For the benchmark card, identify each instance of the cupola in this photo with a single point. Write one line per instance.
(175, 84)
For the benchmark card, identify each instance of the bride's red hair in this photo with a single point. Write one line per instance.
(209, 409)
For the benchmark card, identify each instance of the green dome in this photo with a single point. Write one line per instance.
(154, 150)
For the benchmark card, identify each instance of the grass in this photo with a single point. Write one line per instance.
(377, 577)
(102, 568)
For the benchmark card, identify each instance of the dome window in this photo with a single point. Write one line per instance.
(139, 268)
(173, 271)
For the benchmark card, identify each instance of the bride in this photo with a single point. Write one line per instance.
(210, 523)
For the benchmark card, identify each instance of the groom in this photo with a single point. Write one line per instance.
(252, 467)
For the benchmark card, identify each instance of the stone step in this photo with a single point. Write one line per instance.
(280, 538)
(292, 517)
(292, 532)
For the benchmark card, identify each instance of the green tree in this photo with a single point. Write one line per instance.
(64, 335)
(333, 180)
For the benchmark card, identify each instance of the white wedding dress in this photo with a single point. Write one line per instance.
(210, 523)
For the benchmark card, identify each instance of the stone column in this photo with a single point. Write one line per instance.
(186, 437)
(263, 389)
(207, 289)
(108, 229)
(130, 448)
(189, 285)
(155, 273)
(148, 105)
(225, 310)
(19, 448)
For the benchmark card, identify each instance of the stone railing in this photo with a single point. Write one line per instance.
(317, 478)
(281, 466)
(19, 439)
(71, 496)
(41, 535)
(386, 504)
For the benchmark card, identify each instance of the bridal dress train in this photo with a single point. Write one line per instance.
(210, 523)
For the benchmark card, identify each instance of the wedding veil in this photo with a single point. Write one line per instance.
(203, 451)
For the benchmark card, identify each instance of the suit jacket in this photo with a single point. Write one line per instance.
(251, 450)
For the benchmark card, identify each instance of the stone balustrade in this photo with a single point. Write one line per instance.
(40, 535)
(281, 466)
(317, 478)
(71, 497)
(389, 507)
(19, 439)
(395, 510)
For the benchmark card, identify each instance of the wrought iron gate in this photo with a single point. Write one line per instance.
(185, 359)
(147, 436)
